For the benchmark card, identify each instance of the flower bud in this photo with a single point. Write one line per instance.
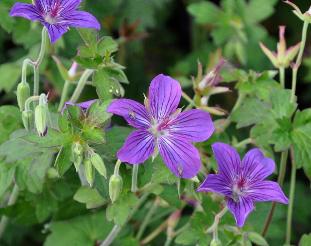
(23, 92)
(77, 154)
(41, 115)
(115, 187)
(99, 164)
(27, 117)
(89, 171)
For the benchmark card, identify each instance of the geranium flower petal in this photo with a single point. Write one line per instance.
(137, 148)
(55, 31)
(133, 112)
(164, 96)
(180, 156)
(25, 10)
(80, 19)
(240, 209)
(215, 183)
(194, 125)
(256, 166)
(264, 191)
(228, 160)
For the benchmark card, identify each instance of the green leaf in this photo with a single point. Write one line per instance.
(97, 113)
(281, 104)
(30, 173)
(46, 205)
(10, 73)
(257, 239)
(305, 240)
(10, 121)
(204, 12)
(107, 45)
(81, 231)
(6, 177)
(251, 111)
(90, 197)
(259, 10)
(107, 82)
(119, 211)
(63, 159)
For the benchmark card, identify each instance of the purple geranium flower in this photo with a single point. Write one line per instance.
(56, 15)
(161, 127)
(84, 106)
(242, 182)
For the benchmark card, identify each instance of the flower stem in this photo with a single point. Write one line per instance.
(38, 62)
(117, 228)
(64, 95)
(112, 235)
(282, 76)
(281, 177)
(12, 200)
(117, 167)
(214, 228)
(134, 178)
(243, 143)
(291, 201)
(147, 218)
(81, 84)
(30, 100)
(299, 59)
(155, 233)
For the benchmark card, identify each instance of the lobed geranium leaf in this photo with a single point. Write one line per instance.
(83, 230)
(90, 197)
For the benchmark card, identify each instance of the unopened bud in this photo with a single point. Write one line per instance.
(89, 171)
(23, 92)
(77, 154)
(27, 117)
(115, 187)
(99, 164)
(41, 115)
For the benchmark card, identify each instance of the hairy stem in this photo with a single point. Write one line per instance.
(282, 76)
(12, 200)
(214, 228)
(147, 218)
(281, 177)
(299, 59)
(64, 95)
(38, 62)
(117, 228)
(117, 167)
(134, 178)
(30, 100)
(291, 201)
(81, 84)
(155, 233)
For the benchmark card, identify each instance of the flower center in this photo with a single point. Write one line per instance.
(159, 129)
(49, 18)
(239, 188)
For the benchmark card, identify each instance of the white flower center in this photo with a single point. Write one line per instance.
(50, 19)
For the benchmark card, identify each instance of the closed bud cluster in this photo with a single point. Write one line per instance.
(41, 115)
(22, 93)
(27, 117)
(115, 187)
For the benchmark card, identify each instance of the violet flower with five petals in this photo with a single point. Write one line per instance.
(56, 15)
(242, 182)
(162, 127)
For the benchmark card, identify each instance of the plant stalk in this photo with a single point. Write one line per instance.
(64, 95)
(134, 178)
(291, 201)
(12, 200)
(81, 84)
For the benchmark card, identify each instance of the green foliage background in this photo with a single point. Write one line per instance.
(170, 37)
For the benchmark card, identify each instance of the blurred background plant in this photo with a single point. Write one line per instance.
(153, 36)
